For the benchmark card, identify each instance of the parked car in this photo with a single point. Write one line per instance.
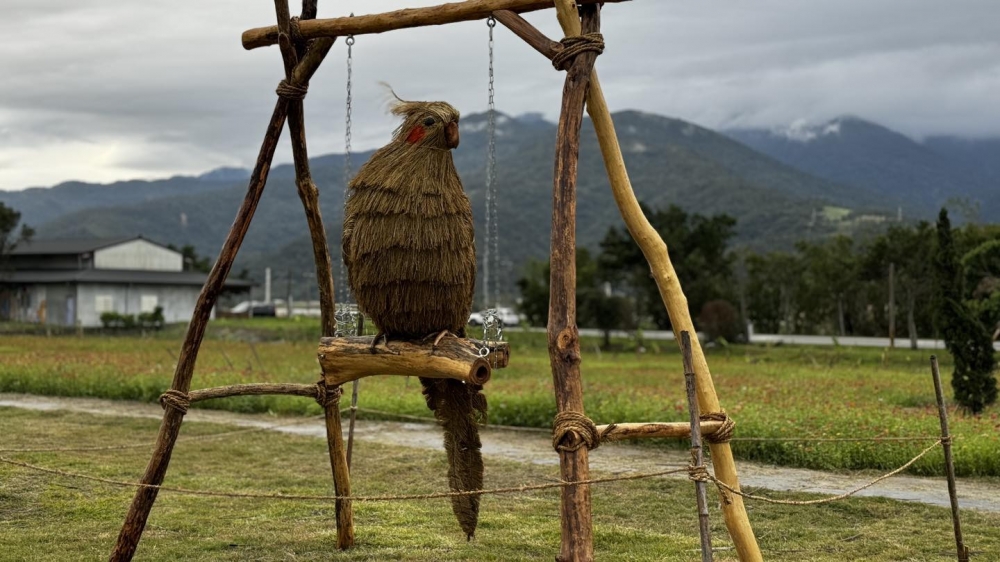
(507, 317)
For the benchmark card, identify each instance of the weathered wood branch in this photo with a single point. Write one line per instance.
(399, 19)
(346, 359)
(697, 457)
(534, 38)
(655, 252)
(650, 430)
(254, 389)
(564, 342)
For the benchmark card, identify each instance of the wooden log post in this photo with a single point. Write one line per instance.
(309, 195)
(156, 469)
(400, 19)
(563, 336)
(655, 252)
(949, 463)
(704, 529)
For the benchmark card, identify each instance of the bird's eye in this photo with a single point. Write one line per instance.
(428, 122)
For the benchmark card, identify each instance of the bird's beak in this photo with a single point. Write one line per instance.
(451, 134)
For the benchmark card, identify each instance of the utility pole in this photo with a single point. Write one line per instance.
(892, 305)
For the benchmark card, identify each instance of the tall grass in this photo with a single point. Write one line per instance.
(769, 391)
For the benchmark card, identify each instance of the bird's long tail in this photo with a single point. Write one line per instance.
(459, 408)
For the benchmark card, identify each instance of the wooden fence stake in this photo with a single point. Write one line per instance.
(689, 384)
(963, 551)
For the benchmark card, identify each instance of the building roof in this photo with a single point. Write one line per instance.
(70, 246)
(133, 276)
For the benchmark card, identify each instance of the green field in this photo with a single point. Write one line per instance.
(770, 392)
(45, 517)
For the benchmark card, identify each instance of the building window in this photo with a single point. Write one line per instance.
(147, 303)
(104, 303)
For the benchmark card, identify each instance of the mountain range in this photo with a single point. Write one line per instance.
(846, 176)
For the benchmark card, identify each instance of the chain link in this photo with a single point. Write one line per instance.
(491, 261)
(492, 320)
(345, 292)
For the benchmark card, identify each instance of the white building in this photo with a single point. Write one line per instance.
(71, 282)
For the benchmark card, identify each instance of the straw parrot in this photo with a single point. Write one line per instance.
(409, 248)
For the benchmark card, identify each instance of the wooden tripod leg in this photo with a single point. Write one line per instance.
(135, 521)
(341, 473)
(564, 343)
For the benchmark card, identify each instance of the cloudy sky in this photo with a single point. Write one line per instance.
(100, 91)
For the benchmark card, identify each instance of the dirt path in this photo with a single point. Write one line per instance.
(536, 448)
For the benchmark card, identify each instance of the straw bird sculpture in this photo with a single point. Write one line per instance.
(410, 252)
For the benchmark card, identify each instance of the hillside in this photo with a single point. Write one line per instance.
(670, 162)
(918, 177)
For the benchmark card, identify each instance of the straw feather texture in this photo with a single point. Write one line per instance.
(410, 252)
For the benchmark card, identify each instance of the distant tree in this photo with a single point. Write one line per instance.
(10, 235)
(720, 320)
(698, 248)
(967, 339)
(192, 262)
(831, 279)
(908, 248)
(775, 285)
(594, 306)
(981, 267)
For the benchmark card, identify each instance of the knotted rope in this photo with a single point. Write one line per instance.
(175, 399)
(291, 91)
(326, 396)
(725, 431)
(577, 429)
(296, 34)
(700, 474)
(573, 46)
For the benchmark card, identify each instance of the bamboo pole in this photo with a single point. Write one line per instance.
(963, 551)
(704, 530)
(655, 252)
(563, 338)
(400, 19)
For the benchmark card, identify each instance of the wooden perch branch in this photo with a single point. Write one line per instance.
(666, 430)
(347, 359)
(399, 19)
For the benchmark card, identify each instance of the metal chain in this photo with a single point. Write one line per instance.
(345, 292)
(492, 321)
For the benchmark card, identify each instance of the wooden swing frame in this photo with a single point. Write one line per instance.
(304, 42)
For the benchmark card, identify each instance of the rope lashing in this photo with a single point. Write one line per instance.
(573, 46)
(175, 399)
(725, 431)
(296, 33)
(576, 429)
(291, 91)
(326, 396)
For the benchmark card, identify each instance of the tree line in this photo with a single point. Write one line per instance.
(911, 280)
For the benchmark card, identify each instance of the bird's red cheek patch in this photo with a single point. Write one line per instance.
(416, 135)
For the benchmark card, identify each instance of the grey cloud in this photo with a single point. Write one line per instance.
(144, 89)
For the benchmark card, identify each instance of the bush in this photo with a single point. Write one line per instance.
(720, 320)
(152, 320)
(967, 339)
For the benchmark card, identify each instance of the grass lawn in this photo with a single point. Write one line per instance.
(771, 392)
(45, 517)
